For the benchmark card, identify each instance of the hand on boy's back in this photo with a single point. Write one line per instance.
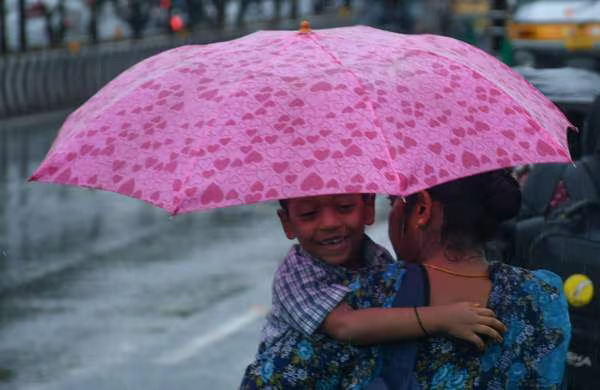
(468, 321)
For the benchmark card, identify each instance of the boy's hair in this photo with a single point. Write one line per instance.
(283, 203)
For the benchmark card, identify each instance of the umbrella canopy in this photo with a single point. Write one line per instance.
(280, 114)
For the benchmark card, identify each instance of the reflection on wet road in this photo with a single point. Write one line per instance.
(99, 291)
(46, 227)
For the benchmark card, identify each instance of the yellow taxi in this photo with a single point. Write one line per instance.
(470, 7)
(551, 30)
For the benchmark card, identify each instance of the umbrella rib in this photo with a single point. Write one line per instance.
(370, 104)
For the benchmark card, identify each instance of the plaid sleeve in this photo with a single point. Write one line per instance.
(304, 295)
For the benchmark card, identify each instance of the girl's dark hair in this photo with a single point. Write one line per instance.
(474, 207)
(283, 203)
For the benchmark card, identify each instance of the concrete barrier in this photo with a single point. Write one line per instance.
(56, 79)
(50, 80)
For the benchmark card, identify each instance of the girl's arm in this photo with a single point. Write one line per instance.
(464, 320)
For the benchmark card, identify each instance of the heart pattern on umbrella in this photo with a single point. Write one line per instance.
(281, 114)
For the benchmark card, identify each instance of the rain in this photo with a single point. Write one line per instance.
(102, 291)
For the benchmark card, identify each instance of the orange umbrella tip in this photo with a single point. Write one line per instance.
(305, 27)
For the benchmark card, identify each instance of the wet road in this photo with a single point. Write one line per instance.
(99, 291)
(104, 292)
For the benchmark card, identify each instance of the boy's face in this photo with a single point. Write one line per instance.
(330, 227)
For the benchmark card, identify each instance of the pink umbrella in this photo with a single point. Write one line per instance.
(280, 114)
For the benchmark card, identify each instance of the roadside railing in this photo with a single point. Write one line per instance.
(34, 82)
(48, 80)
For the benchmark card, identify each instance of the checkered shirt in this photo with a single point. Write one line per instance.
(306, 289)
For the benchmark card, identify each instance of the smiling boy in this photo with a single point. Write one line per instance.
(314, 331)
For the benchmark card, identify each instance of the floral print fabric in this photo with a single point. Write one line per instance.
(296, 361)
(533, 307)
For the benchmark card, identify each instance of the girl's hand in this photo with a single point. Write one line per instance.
(464, 320)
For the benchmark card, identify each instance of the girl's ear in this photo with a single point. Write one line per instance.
(286, 224)
(424, 209)
(369, 209)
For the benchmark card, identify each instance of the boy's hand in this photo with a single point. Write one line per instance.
(465, 320)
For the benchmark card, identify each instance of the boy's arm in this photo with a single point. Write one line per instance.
(375, 325)
(303, 295)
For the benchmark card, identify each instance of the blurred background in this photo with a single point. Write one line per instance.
(99, 291)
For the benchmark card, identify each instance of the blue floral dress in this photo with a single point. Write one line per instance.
(533, 307)
(318, 361)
